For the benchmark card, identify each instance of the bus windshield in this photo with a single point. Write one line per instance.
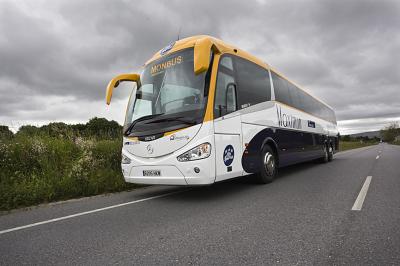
(169, 89)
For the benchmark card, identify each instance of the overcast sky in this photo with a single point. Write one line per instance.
(56, 57)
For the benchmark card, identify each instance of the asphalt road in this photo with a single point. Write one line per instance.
(304, 217)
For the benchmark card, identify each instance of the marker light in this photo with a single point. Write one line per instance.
(125, 159)
(199, 152)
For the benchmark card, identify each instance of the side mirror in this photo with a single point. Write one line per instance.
(202, 50)
(115, 82)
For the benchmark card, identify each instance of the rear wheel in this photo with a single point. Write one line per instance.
(268, 169)
(330, 153)
(325, 158)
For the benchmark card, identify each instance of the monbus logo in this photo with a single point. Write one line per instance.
(167, 64)
(285, 120)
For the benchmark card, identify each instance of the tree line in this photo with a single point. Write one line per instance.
(96, 127)
(391, 132)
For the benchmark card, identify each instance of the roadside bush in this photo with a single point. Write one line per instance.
(390, 132)
(55, 162)
(5, 133)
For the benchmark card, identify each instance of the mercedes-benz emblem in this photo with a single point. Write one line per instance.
(149, 149)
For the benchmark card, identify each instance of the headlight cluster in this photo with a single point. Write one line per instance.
(200, 152)
(125, 159)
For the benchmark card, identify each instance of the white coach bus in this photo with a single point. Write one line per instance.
(203, 111)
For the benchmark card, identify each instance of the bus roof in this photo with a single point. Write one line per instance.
(225, 48)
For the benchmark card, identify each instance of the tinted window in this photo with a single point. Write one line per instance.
(281, 90)
(332, 116)
(253, 83)
(295, 96)
(315, 107)
(286, 92)
(225, 94)
(323, 111)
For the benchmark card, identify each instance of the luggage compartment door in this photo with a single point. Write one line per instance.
(228, 148)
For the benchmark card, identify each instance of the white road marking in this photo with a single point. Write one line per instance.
(86, 212)
(361, 196)
(377, 157)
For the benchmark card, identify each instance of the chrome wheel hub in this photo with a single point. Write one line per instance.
(269, 163)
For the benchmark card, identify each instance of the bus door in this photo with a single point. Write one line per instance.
(227, 124)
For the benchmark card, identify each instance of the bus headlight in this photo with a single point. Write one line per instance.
(125, 159)
(200, 152)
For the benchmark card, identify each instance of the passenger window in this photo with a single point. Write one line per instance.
(281, 90)
(286, 92)
(253, 83)
(309, 104)
(295, 96)
(303, 99)
(225, 95)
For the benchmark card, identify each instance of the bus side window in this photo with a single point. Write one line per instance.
(253, 83)
(281, 88)
(295, 96)
(225, 95)
(303, 99)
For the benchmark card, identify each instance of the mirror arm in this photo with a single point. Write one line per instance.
(117, 80)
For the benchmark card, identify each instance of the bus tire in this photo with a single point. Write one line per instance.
(330, 153)
(269, 167)
(325, 158)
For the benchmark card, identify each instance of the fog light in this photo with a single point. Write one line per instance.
(196, 170)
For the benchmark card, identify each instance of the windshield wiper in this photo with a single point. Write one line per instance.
(146, 117)
(178, 118)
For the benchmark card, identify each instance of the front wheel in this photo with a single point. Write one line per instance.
(268, 169)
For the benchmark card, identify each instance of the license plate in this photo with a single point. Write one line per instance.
(151, 172)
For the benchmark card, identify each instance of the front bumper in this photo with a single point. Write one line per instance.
(172, 171)
(170, 175)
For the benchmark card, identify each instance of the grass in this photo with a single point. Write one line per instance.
(348, 145)
(39, 169)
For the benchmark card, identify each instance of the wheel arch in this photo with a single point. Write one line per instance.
(252, 150)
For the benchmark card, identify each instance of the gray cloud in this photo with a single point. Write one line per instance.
(57, 56)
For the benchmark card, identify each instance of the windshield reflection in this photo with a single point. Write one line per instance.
(169, 88)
